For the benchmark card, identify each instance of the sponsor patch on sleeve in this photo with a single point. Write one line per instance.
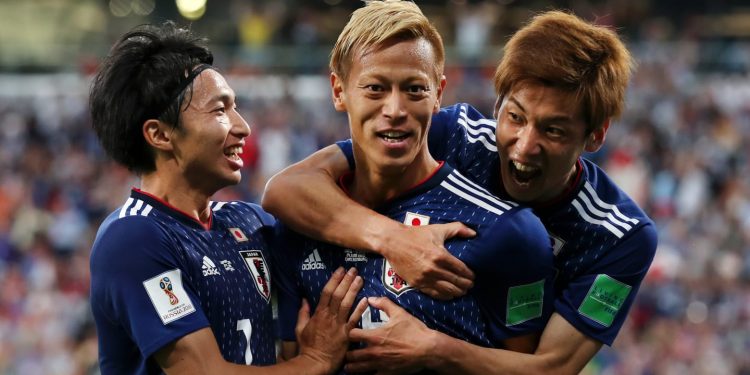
(604, 300)
(168, 296)
(524, 302)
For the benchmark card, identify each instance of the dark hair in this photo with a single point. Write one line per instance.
(145, 76)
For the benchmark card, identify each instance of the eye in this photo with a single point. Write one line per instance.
(514, 117)
(555, 131)
(416, 89)
(374, 88)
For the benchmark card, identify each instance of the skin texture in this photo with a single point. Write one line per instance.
(537, 130)
(389, 90)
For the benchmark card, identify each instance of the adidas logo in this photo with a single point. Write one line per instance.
(209, 268)
(313, 262)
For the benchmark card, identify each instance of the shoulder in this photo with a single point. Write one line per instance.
(245, 210)
(126, 234)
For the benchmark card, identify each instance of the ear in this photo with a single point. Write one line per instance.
(158, 134)
(337, 93)
(596, 138)
(441, 87)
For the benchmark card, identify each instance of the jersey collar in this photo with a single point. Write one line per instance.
(172, 211)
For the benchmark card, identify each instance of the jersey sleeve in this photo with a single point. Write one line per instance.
(138, 286)
(597, 303)
(515, 276)
(288, 285)
(346, 147)
(461, 136)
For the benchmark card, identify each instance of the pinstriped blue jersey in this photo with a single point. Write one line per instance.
(603, 242)
(511, 257)
(157, 275)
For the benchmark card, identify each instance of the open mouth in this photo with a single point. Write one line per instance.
(523, 173)
(393, 136)
(233, 153)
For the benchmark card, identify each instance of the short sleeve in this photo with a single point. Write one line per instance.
(139, 286)
(461, 136)
(515, 276)
(597, 302)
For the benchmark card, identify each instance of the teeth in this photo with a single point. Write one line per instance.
(393, 134)
(523, 167)
(236, 150)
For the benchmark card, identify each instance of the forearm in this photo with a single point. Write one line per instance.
(307, 199)
(455, 356)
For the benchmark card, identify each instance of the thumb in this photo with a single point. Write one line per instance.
(458, 229)
(384, 304)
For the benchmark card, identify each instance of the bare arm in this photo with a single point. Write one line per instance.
(405, 343)
(305, 196)
(323, 339)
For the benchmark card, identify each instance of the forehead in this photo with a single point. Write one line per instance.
(209, 85)
(397, 56)
(545, 99)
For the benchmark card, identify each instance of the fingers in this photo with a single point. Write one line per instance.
(345, 289)
(361, 360)
(458, 229)
(303, 316)
(357, 314)
(386, 305)
(330, 287)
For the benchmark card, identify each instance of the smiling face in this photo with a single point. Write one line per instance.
(207, 145)
(390, 95)
(540, 135)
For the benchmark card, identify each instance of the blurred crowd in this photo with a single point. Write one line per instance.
(682, 150)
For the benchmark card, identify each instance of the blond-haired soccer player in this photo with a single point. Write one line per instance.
(387, 76)
(560, 83)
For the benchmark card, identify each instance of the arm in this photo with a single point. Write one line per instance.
(305, 197)
(322, 339)
(405, 343)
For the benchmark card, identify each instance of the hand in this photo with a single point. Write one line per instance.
(403, 345)
(419, 256)
(323, 337)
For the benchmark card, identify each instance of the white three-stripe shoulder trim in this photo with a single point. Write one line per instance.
(595, 211)
(134, 207)
(468, 190)
(480, 130)
(215, 206)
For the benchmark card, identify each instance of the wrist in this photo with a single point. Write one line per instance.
(439, 355)
(381, 234)
(313, 365)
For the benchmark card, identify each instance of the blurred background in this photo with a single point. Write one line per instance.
(681, 150)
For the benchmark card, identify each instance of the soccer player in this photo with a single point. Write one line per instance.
(181, 284)
(560, 83)
(387, 75)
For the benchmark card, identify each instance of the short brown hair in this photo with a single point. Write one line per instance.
(378, 22)
(563, 51)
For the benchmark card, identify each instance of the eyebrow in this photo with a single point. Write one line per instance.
(555, 118)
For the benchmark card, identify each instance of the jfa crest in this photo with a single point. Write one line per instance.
(391, 280)
(258, 267)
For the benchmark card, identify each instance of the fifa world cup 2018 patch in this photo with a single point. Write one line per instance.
(169, 296)
(524, 303)
(604, 300)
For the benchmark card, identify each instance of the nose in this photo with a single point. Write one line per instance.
(393, 107)
(527, 141)
(240, 127)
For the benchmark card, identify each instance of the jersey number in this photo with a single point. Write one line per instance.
(246, 327)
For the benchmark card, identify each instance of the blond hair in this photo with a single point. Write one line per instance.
(378, 22)
(563, 51)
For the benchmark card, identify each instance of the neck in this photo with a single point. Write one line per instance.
(373, 184)
(173, 189)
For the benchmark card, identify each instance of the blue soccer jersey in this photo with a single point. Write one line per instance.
(603, 242)
(511, 257)
(157, 275)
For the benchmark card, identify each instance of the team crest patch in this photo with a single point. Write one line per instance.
(557, 244)
(258, 267)
(524, 303)
(416, 220)
(604, 300)
(392, 281)
(168, 296)
(238, 234)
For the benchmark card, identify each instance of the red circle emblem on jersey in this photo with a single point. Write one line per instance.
(416, 222)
